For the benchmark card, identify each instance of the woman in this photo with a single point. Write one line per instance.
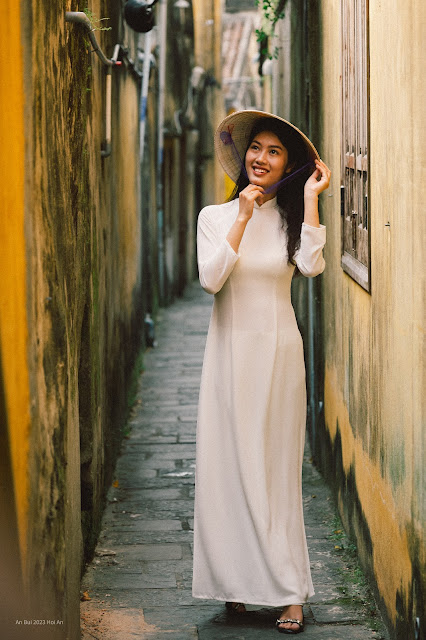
(249, 538)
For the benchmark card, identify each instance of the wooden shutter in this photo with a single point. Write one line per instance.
(355, 142)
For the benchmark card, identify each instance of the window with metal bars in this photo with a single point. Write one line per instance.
(355, 212)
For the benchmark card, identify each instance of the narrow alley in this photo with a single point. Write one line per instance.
(139, 583)
(126, 129)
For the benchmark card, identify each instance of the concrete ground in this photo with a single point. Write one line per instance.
(139, 583)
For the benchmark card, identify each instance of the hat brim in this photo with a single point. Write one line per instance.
(239, 125)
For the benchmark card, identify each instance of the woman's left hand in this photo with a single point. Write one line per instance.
(315, 186)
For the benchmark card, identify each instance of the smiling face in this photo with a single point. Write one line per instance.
(266, 160)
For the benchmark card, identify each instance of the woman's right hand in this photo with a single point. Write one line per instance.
(245, 212)
(247, 198)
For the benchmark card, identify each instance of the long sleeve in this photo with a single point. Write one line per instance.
(216, 258)
(309, 258)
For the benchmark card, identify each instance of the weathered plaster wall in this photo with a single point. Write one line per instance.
(71, 292)
(207, 43)
(372, 448)
(14, 378)
(13, 261)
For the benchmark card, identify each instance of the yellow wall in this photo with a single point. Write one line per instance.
(373, 343)
(70, 323)
(13, 315)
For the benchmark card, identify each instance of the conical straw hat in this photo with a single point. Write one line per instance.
(232, 137)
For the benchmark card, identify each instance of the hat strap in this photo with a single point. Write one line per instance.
(280, 183)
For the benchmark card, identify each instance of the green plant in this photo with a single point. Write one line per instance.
(94, 20)
(353, 583)
(271, 11)
(88, 77)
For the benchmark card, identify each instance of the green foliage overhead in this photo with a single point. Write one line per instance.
(271, 11)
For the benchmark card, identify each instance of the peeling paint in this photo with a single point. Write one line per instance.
(388, 536)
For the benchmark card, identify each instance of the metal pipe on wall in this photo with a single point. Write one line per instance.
(313, 395)
(160, 148)
(79, 17)
(106, 147)
(144, 94)
(312, 403)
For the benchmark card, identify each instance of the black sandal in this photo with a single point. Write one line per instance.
(232, 607)
(290, 631)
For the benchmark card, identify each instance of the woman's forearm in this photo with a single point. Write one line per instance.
(311, 216)
(236, 232)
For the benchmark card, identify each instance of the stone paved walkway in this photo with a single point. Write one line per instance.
(139, 583)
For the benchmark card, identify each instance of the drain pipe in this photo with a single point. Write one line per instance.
(160, 149)
(313, 404)
(144, 94)
(106, 146)
(79, 17)
(311, 362)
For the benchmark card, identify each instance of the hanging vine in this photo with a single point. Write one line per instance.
(271, 12)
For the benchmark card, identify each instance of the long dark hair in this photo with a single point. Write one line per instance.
(290, 194)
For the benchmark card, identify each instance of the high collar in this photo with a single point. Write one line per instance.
(269, 204)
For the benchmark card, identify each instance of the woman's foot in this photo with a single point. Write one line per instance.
(293, 614)
(235, 607)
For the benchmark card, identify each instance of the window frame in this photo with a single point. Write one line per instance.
(355, 142)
